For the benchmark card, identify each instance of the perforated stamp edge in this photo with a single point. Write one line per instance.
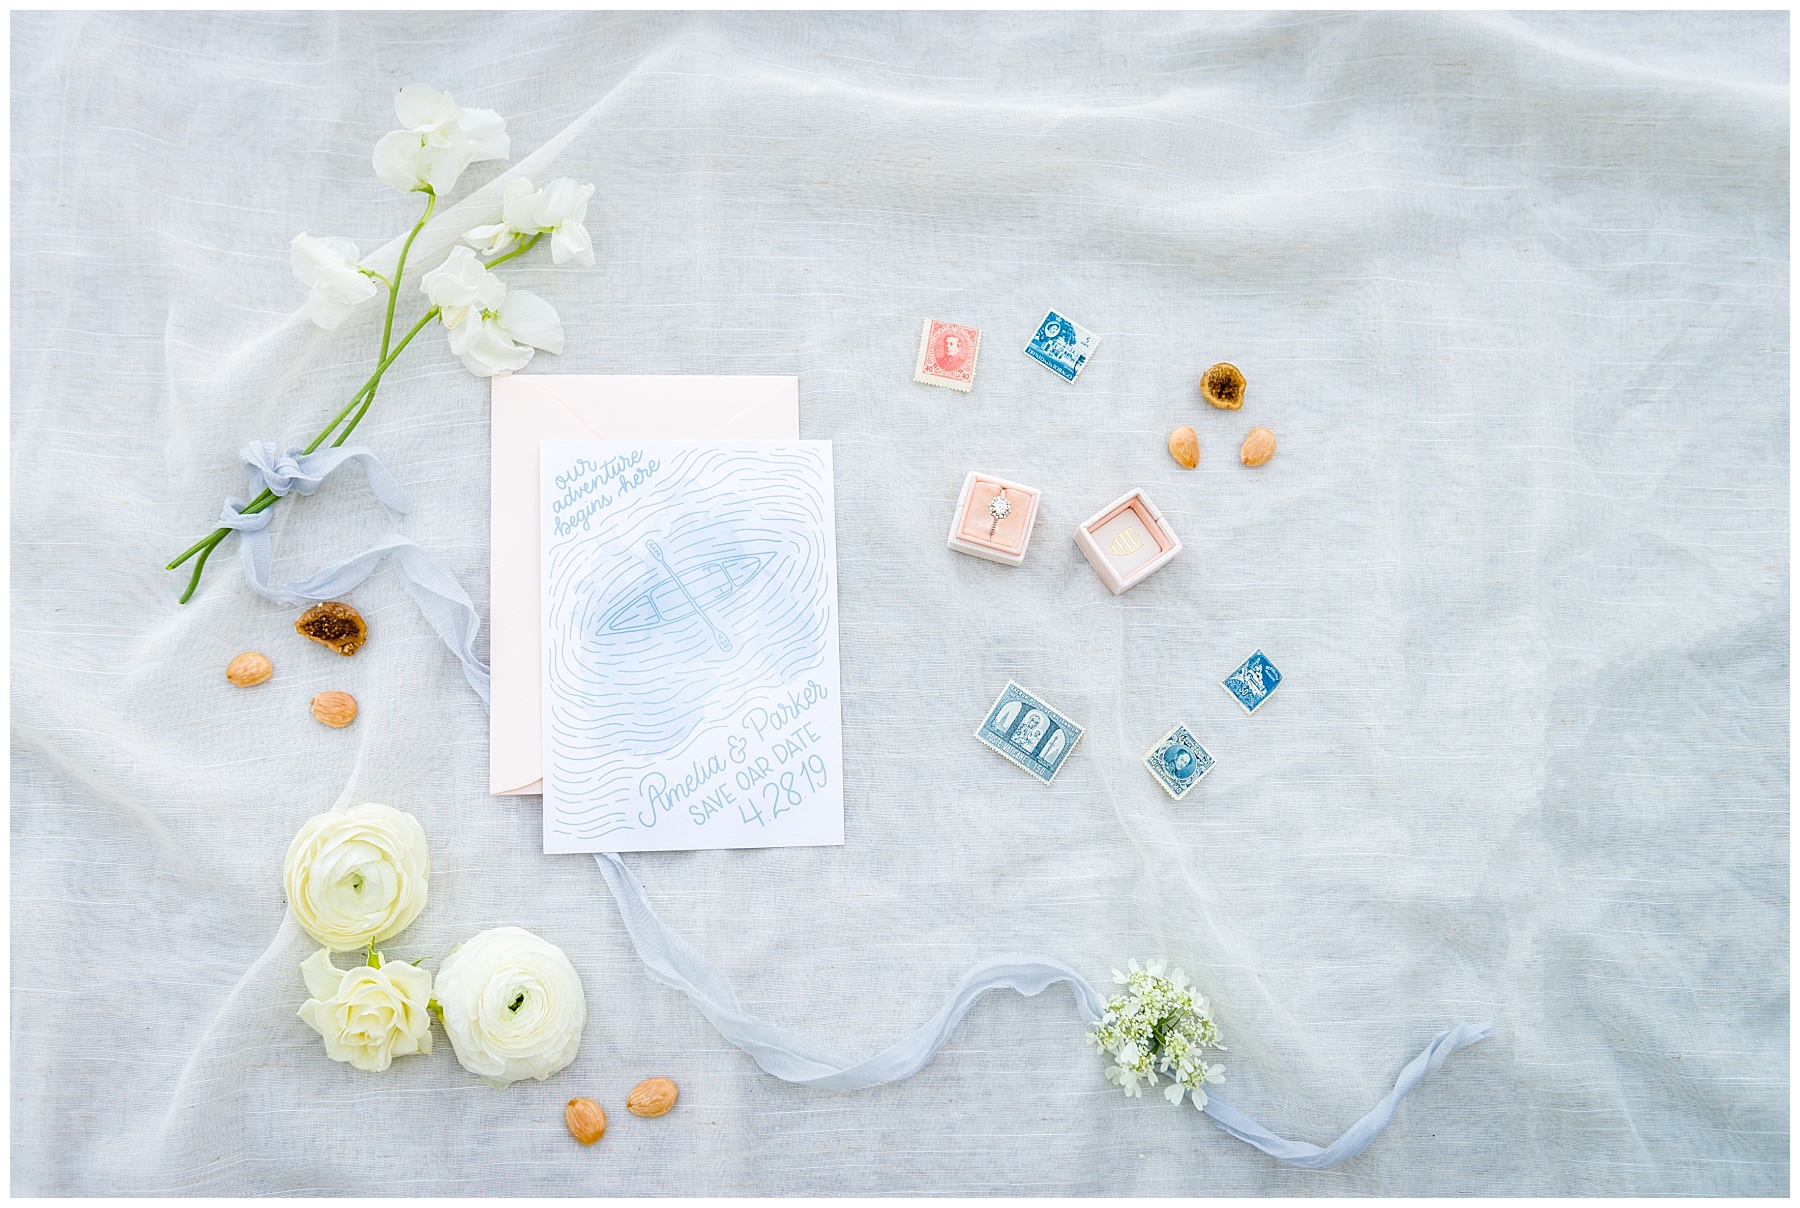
(932, 379)
(1080, 733)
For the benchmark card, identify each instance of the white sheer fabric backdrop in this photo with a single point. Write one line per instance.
(1512, 292)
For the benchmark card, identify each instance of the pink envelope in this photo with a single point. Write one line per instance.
(540, 407)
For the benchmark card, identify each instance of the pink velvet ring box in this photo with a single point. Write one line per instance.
(974, 529)
(1127, 541)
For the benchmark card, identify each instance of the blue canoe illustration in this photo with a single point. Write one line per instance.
(685, 593)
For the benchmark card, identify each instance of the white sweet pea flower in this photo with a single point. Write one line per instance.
(501, 341)
(561, 210)
(514, 203)
(461, 284)
(357, 877)
(492, 330)
(367, 1016)
(338, 286)
(557, 210)
(513, 1006)
(441, 138)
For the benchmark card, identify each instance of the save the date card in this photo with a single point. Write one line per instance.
(690, 646)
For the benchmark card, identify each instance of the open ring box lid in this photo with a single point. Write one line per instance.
(971, 522)
(1127, 541)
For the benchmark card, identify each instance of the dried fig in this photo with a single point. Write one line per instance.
(336, 625)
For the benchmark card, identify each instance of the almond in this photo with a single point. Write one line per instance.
(335, 709)
(1259, 446)
(248, 668)
(1184, 447)
(1223, 386)
(652, 1098)
(586, 1120)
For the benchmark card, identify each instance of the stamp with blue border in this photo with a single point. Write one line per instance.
(1062, 346)
(1253, 682)
(1028, 733)
(1178, 761)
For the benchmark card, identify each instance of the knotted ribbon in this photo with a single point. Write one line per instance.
(797, 1058)
(440, 597)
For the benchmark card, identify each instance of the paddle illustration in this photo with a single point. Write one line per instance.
(719, 635)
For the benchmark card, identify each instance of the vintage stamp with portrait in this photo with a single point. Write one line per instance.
(1062, 346)
(947, 355)
(1029, 733)
(1253, 682)
(1178, 761)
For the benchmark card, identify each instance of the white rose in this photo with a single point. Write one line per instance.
(358, 876)
(512, 1005)
(367, 1016)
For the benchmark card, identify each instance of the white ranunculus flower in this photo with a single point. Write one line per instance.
(440, 139)
(513, 1006)
(557, 210)
(357, 876)
(338, 286)
(368, 1016)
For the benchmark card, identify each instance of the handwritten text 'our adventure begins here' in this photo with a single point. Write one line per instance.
(590, 487)
(767, 768)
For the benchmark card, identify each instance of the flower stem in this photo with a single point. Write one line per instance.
(365, 396)
(518, 251)
(387, 326)
(374, 382)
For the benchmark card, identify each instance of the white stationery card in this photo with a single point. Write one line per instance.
(530, 408)
(690, 645)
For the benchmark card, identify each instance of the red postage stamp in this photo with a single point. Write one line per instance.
(947, 355)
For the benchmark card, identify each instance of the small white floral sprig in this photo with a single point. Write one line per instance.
(1158, 1025)
(491, 329)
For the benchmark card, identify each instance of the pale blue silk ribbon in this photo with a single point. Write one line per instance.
(788, 1055)
(796, 1057)
(447, 607)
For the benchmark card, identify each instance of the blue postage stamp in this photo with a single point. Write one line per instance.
(1178, 761)
(1251, 684)
(1062, 346)
(1028, 732)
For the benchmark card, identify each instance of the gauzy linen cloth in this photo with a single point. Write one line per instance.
(1510, 290)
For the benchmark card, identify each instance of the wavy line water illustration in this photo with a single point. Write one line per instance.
(710, 587)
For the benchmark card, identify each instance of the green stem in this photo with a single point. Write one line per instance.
(205, 546)
(518, 251)
(361, 401)
(387, 326)
(369, 399)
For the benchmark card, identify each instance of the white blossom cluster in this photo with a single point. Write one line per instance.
(492, 330)
(1159, 1025)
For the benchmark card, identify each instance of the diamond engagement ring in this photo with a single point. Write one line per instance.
(999, 507)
